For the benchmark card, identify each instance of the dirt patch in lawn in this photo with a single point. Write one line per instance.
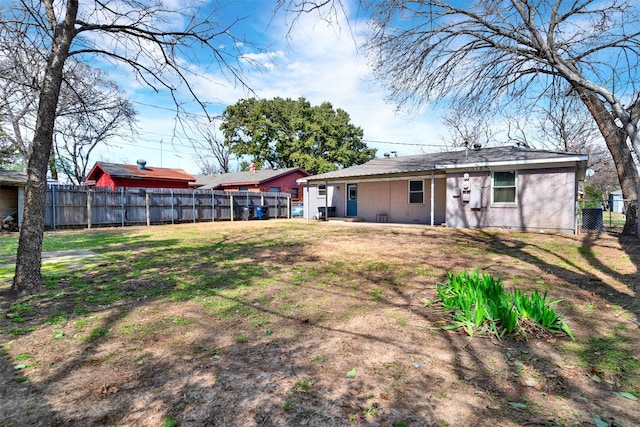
(293, 323)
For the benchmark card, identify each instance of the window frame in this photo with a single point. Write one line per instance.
(501, 187)
(414, 192)
(322, 190)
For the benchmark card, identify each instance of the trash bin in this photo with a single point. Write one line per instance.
(246, 213)
(331, 212)
(262, 212)
(592, 219)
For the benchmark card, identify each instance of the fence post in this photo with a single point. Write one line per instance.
(277, 206)
(122, 215)
(289, 207)
(172, 209)
(147, 208)
(213, 206)
(53, 207)
(193, 204)
(88, 207)
(231, 207)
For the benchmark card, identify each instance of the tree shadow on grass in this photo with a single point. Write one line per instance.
(22, 403)
(252, 379)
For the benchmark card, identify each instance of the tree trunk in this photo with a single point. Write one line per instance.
(27, 278)
(616, 139)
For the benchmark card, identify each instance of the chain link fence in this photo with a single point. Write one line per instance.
(604, 215)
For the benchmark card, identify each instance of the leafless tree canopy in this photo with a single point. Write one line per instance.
(90, 111)
(483, 54)
(212, 153)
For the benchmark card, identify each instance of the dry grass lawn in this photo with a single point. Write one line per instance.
(279, 323)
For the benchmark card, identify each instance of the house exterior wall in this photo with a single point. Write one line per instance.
(105, 180)
(313, 201)
(150, 183)
(383, 197)
(545, 201)
(286, 183)
(251, 188)
(392, 198)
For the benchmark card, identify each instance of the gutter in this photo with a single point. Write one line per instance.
(576, 158)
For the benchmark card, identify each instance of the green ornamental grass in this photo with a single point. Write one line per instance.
(479, 304)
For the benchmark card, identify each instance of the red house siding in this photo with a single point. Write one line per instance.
(105, 181)
(286, 183)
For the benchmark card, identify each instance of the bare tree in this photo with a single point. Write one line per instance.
(91, 111)
(467, 130)
(153, 39)
(8, 151)
(488, 52)
(20, 73)
(212, 153)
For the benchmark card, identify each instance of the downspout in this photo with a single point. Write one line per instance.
(307, 201)
(326, 201)
(433, 187)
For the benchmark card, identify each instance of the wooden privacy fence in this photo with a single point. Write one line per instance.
(73, 206)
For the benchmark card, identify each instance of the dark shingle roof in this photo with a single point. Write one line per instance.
(242, 178)
(451, 160)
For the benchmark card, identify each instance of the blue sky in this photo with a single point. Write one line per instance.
(318, 61)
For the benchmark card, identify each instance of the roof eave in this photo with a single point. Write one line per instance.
(365, 176)
(573, 158)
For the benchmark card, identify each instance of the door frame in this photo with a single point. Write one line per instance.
(351, 202)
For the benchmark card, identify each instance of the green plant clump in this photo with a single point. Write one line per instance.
(479, 303)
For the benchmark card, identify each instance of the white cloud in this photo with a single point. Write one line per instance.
(318, 61)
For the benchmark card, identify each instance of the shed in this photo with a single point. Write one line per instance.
(616, 201)
(12, 185)
(116, 175)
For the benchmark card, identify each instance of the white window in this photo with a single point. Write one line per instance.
(322, 190)
(504, 187)
(416, 192)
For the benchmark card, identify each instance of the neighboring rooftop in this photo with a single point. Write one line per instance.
(245, 178)
(483, 157)
(140, 170)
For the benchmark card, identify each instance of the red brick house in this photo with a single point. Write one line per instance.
(116, 175)
(266, 180)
